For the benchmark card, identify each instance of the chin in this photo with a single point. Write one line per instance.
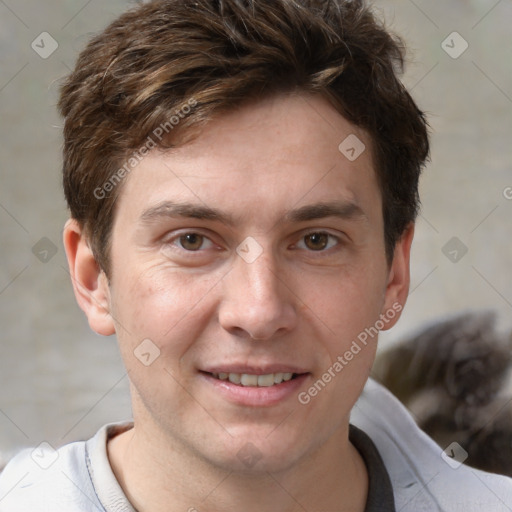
(253, 451)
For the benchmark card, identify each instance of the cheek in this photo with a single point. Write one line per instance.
(345, 303)
(167, 306)
(349, 308)
(170, 309)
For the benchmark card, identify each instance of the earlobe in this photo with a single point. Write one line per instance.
(397, 288)
(89, 281)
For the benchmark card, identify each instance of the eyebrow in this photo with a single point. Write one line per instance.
(346, 210)
(187, 210)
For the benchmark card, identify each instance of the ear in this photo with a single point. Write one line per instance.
(399, 279)
(90, 283)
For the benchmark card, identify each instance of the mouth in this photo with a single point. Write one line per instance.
(254, 386)
(254, 380)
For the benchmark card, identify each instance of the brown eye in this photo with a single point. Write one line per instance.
(316, 241)
(191, 241)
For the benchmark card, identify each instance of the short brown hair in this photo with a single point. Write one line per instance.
(214, 55)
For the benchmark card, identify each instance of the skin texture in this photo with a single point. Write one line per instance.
(299, 303)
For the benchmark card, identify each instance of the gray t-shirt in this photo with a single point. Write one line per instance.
(404, 465)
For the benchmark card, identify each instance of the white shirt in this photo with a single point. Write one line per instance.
(78, 477)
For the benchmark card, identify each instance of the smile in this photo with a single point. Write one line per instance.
(251, 380)
(255, 389)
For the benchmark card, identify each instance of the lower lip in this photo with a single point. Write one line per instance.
(256, 396)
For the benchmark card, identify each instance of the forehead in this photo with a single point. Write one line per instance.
(278, 153)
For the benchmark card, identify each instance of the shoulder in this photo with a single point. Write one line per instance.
(44, 479)
(424, 475)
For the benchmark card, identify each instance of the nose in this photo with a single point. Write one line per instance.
(257, 301)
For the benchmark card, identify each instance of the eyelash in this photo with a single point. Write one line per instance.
(330, 235)
(203, 237)
(176, 240)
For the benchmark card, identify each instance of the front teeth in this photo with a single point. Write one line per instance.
(246, 379)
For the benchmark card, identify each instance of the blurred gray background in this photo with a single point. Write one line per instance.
(58, 380)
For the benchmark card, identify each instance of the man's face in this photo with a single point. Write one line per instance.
(256, 249)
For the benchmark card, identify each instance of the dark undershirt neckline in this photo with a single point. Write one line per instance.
(380, 491)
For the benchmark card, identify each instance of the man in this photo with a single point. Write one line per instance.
(242, 179)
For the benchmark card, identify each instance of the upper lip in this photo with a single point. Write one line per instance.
(255, 369)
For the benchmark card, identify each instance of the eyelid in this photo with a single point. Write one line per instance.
(172, 237)
(319, 231)
(205, 241)
(169, 241)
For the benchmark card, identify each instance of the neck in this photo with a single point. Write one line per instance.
(166, 476)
